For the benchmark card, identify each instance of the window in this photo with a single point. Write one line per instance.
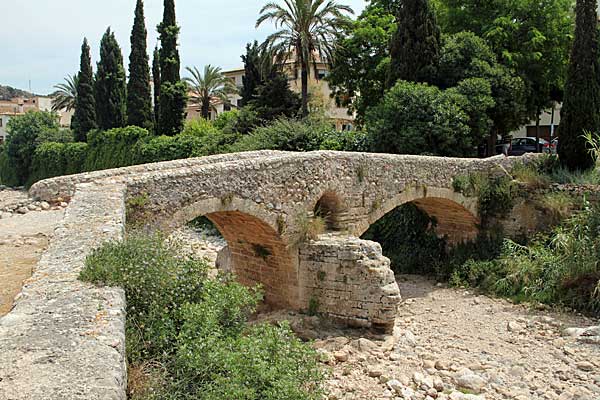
(322, 73)
(1, 121)
(227, 107)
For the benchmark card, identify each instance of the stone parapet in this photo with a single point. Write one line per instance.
(65, 339)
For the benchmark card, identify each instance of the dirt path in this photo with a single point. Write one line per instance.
(23, 238)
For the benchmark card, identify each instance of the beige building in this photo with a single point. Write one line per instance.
(20, 105)
(318, 89)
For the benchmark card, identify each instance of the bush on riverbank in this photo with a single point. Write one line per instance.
(188, 337)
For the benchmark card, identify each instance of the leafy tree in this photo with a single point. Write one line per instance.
(465, 55)
(84, 118)
(207, 86)
(274, 98)
(156, 81)
(65, 96)
(22, 140)
(361, 60)
(139, 96)
(415, 46)
(307, 30)
(415, 118)
(173, 91)
(110, 87)
(581, 108)
(531, 37)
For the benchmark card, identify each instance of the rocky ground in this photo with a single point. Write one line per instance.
(25, 229)
(451, 344)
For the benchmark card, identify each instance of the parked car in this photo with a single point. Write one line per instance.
(553, 147)
(520, 146)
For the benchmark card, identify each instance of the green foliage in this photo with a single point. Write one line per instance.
(240, 121)
(309, 134)
(408, 238)
(191, 334)
(580, 110)
(156, 88)
(253, 76)
(52, 159)
(113, 148)
(561, 268)
(173, 92)
(84, 118)
(528, 37)
(530, 175)
(274, 98)
(415, 46)
(110, 87)
(139, 94)
(496, 194)
(23, 138)
(415, 118)
(8, 175)
(361, 60)
(136, 210)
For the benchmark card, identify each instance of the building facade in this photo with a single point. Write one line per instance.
(318, 89)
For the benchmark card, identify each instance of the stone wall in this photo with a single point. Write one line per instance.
(65, 339)
(348, 280)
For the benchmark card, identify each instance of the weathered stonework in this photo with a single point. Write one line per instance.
(65, 339)
(349, 280)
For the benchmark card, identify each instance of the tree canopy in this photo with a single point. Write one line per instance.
(110, 86)
(84, 118)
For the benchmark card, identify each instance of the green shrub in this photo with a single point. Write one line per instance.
(415, 118)
(113, 148)
(24, 134)
(57, 159)
(560, 268)
(309, 134)
(496, 194)
(8, 175)
(530, 175)
(166, 148)
(188, 336)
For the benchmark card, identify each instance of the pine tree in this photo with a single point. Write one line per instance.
(581, 107)
(415, 46)
(110, 88)
(252, 73)
(156, 81)
(139, 96)
(84, 118)
(274, 98)
(173, 91)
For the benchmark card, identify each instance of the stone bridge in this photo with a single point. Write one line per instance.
(264, 203)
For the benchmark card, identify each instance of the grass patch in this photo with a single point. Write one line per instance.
(496, 194)
(311, 228)
(188, 336)
(558, 205)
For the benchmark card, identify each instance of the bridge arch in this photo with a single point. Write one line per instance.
(259, 254)
(456, 215)
(331, 208)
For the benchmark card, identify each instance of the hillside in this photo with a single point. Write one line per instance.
(7, 93)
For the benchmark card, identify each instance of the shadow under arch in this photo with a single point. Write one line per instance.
(331, 208)
(258, 253)
(456, 215)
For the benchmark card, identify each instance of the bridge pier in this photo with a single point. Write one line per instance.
(348, 280)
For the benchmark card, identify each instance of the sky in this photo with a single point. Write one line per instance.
(41, 39)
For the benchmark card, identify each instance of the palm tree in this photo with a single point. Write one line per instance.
(65, 94)
(307, 29)
(207, 86)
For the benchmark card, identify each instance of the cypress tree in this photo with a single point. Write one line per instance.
(581, 107)
(415, 46)
(173, 91)
(84, 118)
(110, 88)
(139, 95)
(156, 81)
(252, 73)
